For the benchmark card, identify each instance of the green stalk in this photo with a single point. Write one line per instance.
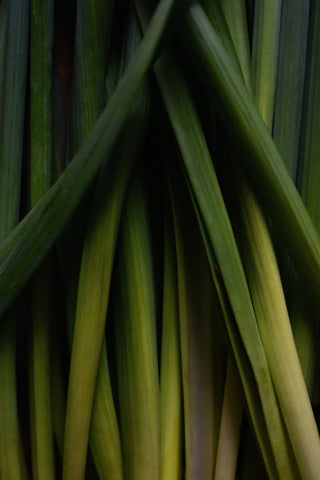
(79, 264)
(170, 369)
(96, 269)
(26, 246)
(261, 158)
(208, 198)
(275, 328)
(197, 311)
(136, 342)
(41, 46)
(86, 104)
(12, 464)
(269, 303)
(253, 401)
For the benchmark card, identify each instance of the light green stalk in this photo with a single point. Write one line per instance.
(12, 465)
(275, 328)
(136, 343)
(270, 307)
(41, 46)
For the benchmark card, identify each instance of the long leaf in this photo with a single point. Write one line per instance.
(135, 317)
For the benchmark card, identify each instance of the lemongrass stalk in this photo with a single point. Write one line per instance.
(253, 402)
(197, 309)
(136, 342)
(276, 333)
(12, 463)
(217, 225)
(231, 418)
(26, 246)
(103, 418)
(41, 46)
(273, 321)
(260, 156)
(171, 408)
(96, 268)
(232, 414)
(86, 103)
(267, 291)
